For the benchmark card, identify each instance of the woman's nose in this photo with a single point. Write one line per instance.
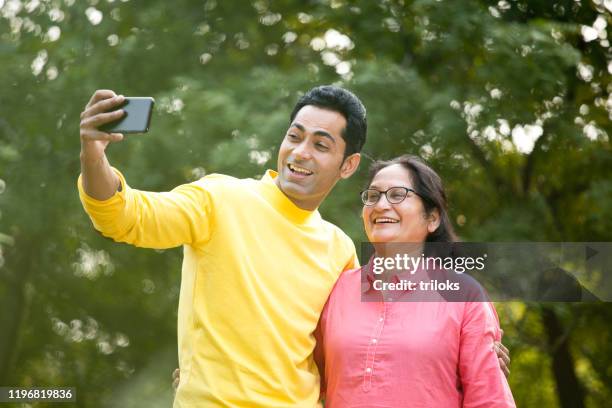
(382, 203)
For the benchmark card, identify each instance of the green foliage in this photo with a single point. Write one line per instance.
(462, 83)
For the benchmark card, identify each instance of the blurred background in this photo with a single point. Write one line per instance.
(509, 100)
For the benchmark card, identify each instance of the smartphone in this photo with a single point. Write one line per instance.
(137, 116)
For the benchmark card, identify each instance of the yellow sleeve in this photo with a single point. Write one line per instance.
(152, 220)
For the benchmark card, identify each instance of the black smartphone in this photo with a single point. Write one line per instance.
(137, 116)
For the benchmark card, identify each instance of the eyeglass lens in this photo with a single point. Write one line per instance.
(395, 195)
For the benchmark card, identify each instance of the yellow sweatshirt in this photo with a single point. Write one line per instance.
(256, 273)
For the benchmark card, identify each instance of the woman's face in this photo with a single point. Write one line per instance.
(406, 221)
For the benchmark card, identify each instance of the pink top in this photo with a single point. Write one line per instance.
(407, 354)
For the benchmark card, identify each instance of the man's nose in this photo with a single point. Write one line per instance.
(302, 151)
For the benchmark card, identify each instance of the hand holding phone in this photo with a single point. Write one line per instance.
(99, 111)
(99, 180)
(106, 117)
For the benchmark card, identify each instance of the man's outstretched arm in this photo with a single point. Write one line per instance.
(141, 218)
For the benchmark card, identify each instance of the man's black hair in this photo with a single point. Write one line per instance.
(344, 102)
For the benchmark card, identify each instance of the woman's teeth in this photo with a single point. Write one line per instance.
(384, 220)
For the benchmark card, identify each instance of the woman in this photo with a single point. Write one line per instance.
(406, 353)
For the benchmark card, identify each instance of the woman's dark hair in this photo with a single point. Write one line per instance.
(428, 186)
(347, 104)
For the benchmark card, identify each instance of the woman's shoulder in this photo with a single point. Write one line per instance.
(349, 276)
(348, 283)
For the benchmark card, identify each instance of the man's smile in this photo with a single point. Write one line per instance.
(298, 172)
(297, 169)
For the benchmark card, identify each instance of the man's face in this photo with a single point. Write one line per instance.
(310, 159)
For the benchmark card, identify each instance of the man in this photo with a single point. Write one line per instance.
(259, 262)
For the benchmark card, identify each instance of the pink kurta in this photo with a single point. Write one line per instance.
(407, 354)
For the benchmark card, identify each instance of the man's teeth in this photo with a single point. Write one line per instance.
(300, 170)
(385, 220)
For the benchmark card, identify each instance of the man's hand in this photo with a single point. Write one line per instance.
(94, 141)
(176, 378)
(503, 355)
(99, 180)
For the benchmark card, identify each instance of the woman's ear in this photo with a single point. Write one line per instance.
(433, 220)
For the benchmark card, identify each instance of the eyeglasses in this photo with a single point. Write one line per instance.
(395, 195)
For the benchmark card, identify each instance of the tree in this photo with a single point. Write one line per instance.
(508, 100)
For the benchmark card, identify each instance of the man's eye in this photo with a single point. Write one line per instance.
(323, 147)
(292, 136)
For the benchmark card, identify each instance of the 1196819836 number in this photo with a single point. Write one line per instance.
(8, 394)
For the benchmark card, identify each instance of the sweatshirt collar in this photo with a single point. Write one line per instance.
(284, 205)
